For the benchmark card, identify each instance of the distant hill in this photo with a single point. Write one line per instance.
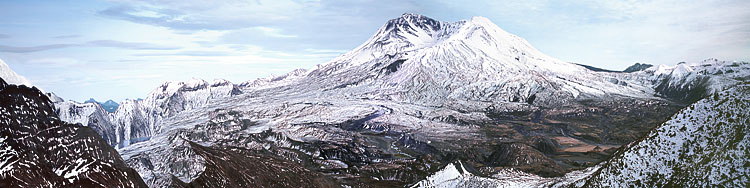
(637, 67)
(109, 106)
(597, 69)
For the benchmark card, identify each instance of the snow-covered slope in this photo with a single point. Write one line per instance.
(39, 150)
(90, 115)
(689, 82)
(11, 77)
(704, 145)
(174, 97)
(455, 175)
(137, 120)
(273, 81)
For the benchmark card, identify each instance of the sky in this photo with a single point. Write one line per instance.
(122, 49)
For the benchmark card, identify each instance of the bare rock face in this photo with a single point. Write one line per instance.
(237, 167)
(637, 67)
(39, 150)
(525, 158)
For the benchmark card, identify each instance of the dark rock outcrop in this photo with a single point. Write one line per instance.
(39, 150)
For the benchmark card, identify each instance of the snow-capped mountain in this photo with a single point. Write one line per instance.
(39, 150)
(417, 59)
(174, 97)
(704, 145)
(11, 77)
(135, 120)
(689, 82)
(139, 119)
(90, 114)
(414, 96)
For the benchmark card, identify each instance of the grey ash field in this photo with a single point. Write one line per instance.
(422, 103)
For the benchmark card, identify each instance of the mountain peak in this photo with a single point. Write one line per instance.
(412, 17)
(11, 77)
(411, 32)
(481, 20)
(110, 106)
(414, 24)
(91, 100)
(220, 82)
(638, 67)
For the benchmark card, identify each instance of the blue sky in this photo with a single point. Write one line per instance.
(125, 48)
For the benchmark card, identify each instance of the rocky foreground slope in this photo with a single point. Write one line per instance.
(704, 145)
(39, 150)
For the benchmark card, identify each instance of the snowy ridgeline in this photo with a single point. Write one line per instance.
(137, 120)
(704, 145)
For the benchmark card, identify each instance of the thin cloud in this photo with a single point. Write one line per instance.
(188, 53)
(55, 62)
(95, 43)
(3, 36)
(274, 32)
(66, 36)
(211, 15)
(325, 51)
(130, 45)
(30, 49)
